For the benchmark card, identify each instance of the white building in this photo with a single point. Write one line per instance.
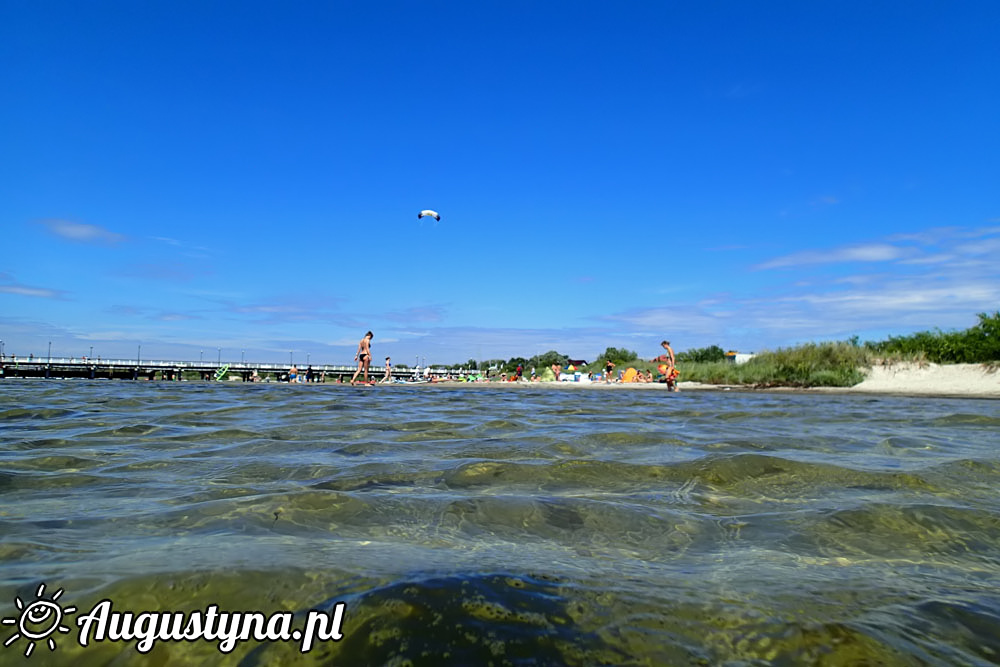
(739, 357)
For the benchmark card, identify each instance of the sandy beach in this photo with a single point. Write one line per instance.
(913, 379)
(952, 380)
(932, 379)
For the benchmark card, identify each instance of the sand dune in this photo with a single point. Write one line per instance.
(961, 380)
(932, 379)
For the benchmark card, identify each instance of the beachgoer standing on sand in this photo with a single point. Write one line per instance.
(670, 352)
(609, 368)
(671, 363)
(363, 356)
(388, 370)
(293, 374)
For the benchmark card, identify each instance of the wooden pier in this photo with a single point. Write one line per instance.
(143, 369)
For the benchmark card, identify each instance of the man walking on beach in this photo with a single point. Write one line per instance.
(363, 356)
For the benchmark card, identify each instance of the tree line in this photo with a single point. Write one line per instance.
(979, 343)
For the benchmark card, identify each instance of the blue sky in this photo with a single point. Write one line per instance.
(189, 176)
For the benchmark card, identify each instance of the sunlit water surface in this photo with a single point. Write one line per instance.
(529, 526)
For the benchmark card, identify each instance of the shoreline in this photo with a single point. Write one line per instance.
(910, 378)
(900, 379)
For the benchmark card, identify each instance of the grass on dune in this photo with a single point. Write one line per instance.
(810, 365)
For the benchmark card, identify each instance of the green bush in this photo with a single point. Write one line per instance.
(810, 365)
(703, 354)
(618, 356)
(976, 345)
(546, 360)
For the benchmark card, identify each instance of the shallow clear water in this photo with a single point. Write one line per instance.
(477, 525)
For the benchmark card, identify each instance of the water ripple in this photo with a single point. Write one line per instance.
(516, 527)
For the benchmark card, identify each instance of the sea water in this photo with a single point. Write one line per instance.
(504, 525)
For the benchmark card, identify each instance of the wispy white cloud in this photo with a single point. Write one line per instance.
(902, 296)
(933, 278)
(24, 290)
(269, 309)
(873, 252)
(82, 233)
(945, 235)
(943, 258)
(982, 246)
(938, 245)
(10, 285)
(352, 341)
(143, 312)
(292, 308)
(106, 336)
(692, 317)
(430, 313)
(127, 311)
(197, 252)
(164, 271)
(342, 342)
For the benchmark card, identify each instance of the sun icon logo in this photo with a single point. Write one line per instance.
(38, 620)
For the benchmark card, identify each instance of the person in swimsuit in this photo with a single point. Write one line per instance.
(671, 361)
(363, 356)
(388, 370)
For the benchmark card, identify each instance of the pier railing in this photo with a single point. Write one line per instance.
(66, 367)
